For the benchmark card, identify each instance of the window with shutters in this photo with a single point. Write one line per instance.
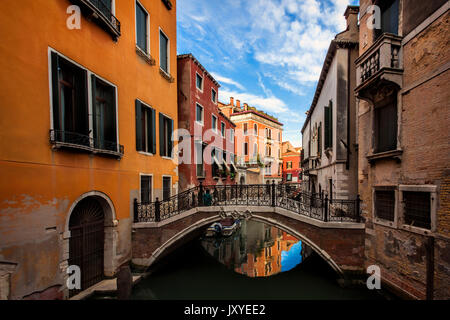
(245, 129)
(145, 128)
(385, 125)
(222, 129)
(165, 136)
(70, 102)
(104, 114)
(146, 188)
(73, 125)
(289, 177)
(255, 129)
(142, 28)
(328, 126)
(164, 52)
(167, 186)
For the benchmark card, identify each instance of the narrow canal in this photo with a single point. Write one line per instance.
(258, 261)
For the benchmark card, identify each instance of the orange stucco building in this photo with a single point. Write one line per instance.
(88, 103)
(258, 141)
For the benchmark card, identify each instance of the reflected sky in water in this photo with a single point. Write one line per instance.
(292, 258)
(257, 250)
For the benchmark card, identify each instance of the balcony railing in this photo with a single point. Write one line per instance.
(102, 14)
(73, 140)
(383, 59)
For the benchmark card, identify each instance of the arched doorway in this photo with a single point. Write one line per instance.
(87, 238)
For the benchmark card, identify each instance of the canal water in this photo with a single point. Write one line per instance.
(258, 261)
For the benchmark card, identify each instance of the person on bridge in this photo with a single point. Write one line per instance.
(207, 199)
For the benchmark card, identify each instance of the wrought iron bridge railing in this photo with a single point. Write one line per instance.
(286, 196)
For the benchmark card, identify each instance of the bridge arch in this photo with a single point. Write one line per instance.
(167, 246)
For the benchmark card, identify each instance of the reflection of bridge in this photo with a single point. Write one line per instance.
(331, 227)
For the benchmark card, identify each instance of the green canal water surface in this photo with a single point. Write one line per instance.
(257, 262)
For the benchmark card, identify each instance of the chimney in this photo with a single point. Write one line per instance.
(351, 15)
(245, 107)
(238, 103)
(232, 101)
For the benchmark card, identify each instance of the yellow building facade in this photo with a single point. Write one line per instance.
(88, 102)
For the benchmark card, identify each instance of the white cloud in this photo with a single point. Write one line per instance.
(226, 80)
(271, 105)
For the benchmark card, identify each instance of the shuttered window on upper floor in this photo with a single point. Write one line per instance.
(163, 52)
(142, 28)
(165, 136)
(145, 128)
(104, 114)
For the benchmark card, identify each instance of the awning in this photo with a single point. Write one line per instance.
(226, 165)
(254, 170)
(217, 161)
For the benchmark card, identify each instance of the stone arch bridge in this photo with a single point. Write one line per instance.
(331, 227)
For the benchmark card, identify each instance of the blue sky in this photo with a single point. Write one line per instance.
(267, 53)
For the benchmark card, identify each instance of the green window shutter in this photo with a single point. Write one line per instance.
(153, 132)
(111, 118)
(139, 142)
(327, 127)
(331, 124)
(55, 92)
(161, 135)
(169, 138)
(94, 108)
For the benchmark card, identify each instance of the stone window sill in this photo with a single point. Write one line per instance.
(385, 223)
(417, 230)
(145, 56)
(166, 76)
(393, 154)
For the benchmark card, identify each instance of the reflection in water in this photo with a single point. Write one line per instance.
(258, 250)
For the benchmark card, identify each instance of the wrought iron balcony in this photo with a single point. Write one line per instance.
(101, 14)
(381, 62)
(72, 140)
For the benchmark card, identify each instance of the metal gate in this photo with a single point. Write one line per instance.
(86, 246)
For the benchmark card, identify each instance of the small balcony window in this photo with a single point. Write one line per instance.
(389, 17)
(385, 123)
(101, 11)
(71, 119)
(70, 102)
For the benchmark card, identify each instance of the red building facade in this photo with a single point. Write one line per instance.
(292, 172)
(207, 147)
